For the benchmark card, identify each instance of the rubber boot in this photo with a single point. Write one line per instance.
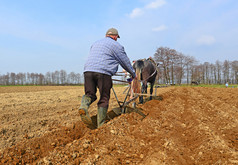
(83, 111)
(101, 117)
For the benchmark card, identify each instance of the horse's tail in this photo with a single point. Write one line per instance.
(136, 85)
(138, 73)
(139, 65)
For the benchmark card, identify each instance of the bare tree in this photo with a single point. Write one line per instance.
(172, 64)
(189, 63)
(162, 57)
(71, 78)
(21, 78)
(63, 77)
(179, 67)
(234, 66)
(197, 73)
(226, 71)
(218, 70)
(78, 78)
(13, 78)
(41, 79)
(48, 78)
(206, 72)
(56, 77)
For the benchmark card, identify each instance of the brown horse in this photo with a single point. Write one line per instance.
(146, 71)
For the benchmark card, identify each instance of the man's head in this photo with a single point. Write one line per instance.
(113, 33)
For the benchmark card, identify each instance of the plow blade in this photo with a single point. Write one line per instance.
(118, 111)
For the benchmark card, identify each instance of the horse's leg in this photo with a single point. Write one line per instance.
(151, 89)
(143, 89)
(141, 97)
(146, 88)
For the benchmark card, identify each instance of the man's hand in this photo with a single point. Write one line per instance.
(129, 80)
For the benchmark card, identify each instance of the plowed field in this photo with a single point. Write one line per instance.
(183, 125)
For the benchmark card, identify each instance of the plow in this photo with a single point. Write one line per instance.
(124, 106)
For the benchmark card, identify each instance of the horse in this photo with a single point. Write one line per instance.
(146, 71)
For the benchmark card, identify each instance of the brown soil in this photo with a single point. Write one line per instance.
(183, 125)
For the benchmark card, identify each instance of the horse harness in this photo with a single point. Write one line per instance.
(149, 76)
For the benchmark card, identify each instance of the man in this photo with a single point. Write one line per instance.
(227, 84)
(104, 57)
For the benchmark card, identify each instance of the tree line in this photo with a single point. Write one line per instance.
(173, 68)
(50, 78)
(176, 68)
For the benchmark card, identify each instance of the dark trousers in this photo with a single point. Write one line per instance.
(94, 80)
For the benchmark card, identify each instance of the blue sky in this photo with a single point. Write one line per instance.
(42, 35)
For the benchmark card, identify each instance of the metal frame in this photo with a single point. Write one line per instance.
(122, 104)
